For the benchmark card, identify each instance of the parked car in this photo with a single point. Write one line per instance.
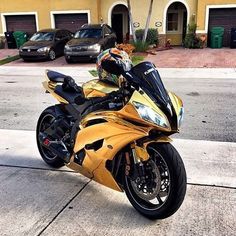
(89, 41)
(45, 44)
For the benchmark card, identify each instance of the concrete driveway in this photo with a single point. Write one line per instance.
(37, 200)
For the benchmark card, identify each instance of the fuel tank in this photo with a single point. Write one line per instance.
(98, 88)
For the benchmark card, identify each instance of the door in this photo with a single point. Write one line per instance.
(223, 17)
(184, 25)
(71, 22)
(26, 23)
(117, 26)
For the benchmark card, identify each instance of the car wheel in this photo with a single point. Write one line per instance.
(68, 60)
(25, 60)
(52, 55)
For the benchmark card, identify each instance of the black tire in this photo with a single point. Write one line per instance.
(25, 60)
(172, 186)
(45, 119)
(51, 55)
(68, 60)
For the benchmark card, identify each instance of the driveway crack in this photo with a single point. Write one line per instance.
(64, 207)
(211, 185)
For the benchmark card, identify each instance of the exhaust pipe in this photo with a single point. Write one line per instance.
(56, 147)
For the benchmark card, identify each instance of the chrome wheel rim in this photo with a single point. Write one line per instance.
(155, 199)
(46, 121)
(52, 55)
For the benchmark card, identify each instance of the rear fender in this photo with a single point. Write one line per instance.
(50, 87)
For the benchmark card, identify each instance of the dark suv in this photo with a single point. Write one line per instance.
(89, 41)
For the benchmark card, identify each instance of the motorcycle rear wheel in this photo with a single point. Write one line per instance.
(167, 178)
(45, 120)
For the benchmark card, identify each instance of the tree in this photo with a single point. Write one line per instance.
(131, 21)
(147, 21)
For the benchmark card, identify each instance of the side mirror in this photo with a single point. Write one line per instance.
(57, 39)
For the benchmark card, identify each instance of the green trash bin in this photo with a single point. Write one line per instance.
(217, 37)
(20, 37)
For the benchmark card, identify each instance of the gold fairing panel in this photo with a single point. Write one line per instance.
(97, 88)
(130, 112)
(115, 136)
(176, 101)
(116, 133)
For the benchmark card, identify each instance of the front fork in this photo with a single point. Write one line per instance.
(137, 156)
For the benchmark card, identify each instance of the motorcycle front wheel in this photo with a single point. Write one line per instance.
(160, 191)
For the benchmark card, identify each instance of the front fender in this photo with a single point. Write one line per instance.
(142, 152)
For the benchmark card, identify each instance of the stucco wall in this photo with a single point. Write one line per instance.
(140, 10)
(98, 9)
(202, 11)
(44, 7)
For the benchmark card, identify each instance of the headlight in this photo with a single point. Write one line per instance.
(96, 47)
(20, 49)
(68, 48)
(180, 116)
(44, 49)
(150, 115)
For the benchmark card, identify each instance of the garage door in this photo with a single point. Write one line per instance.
(26, 23)
(224, 17)
(70, 22)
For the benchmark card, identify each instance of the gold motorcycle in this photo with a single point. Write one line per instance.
(118, 136)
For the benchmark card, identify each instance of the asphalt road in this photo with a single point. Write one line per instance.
(209, 103)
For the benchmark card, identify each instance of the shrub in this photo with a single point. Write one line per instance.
(152, 35)
(140, 46)
(137, 59)
(191, 40)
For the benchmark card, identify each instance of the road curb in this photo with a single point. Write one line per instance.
(201, 73)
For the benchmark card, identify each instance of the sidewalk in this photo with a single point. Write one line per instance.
(4, 53)
(36, 200)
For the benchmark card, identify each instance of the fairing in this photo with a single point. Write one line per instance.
(146, 76)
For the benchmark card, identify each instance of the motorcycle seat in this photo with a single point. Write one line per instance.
(55, 76)
(70, 96)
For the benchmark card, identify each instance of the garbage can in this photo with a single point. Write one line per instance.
(11, 42)
(217, 37)
(233, 38)
(20, 37)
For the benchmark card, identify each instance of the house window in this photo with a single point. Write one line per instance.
(172, 22)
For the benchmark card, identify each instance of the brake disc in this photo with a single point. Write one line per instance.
(142, 189)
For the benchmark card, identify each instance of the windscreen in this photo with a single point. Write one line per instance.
(149, 80)
(43, 36)
(88, 33)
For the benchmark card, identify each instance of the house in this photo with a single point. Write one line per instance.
(170, 17)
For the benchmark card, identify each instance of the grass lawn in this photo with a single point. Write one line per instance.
(9, 59)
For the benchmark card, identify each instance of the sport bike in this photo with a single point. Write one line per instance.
(118, 136)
